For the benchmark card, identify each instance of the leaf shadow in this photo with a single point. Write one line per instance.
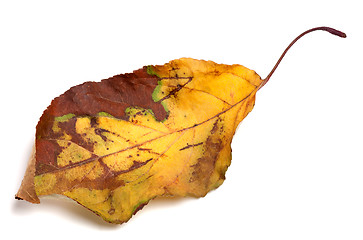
(161, 203)
(65, 208)
(166, 202)
(23, 164)
(74, 212)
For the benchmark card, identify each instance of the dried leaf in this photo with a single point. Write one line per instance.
(163, 130)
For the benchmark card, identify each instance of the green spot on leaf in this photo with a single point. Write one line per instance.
(104, 114)
(64, 117)
(150, 70)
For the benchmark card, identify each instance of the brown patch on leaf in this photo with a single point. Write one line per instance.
(47, 148)
(112, 95)
(69, 128)
(106, 181)
(205, 165)
(46, 156)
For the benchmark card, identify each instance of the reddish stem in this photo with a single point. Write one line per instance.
(328, 29)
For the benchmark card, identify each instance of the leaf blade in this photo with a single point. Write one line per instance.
(177, 142)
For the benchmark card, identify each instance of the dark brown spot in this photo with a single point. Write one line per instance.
(94, 122)
(111, 211)
(144, 149)
(100, 131)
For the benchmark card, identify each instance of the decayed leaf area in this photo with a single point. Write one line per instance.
(163, 130)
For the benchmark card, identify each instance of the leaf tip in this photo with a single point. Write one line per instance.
(27, 189)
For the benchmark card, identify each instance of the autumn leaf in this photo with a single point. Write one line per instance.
(163, 130)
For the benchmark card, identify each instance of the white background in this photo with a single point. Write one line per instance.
(297, 168)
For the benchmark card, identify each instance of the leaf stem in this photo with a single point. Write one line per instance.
(328, 29)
